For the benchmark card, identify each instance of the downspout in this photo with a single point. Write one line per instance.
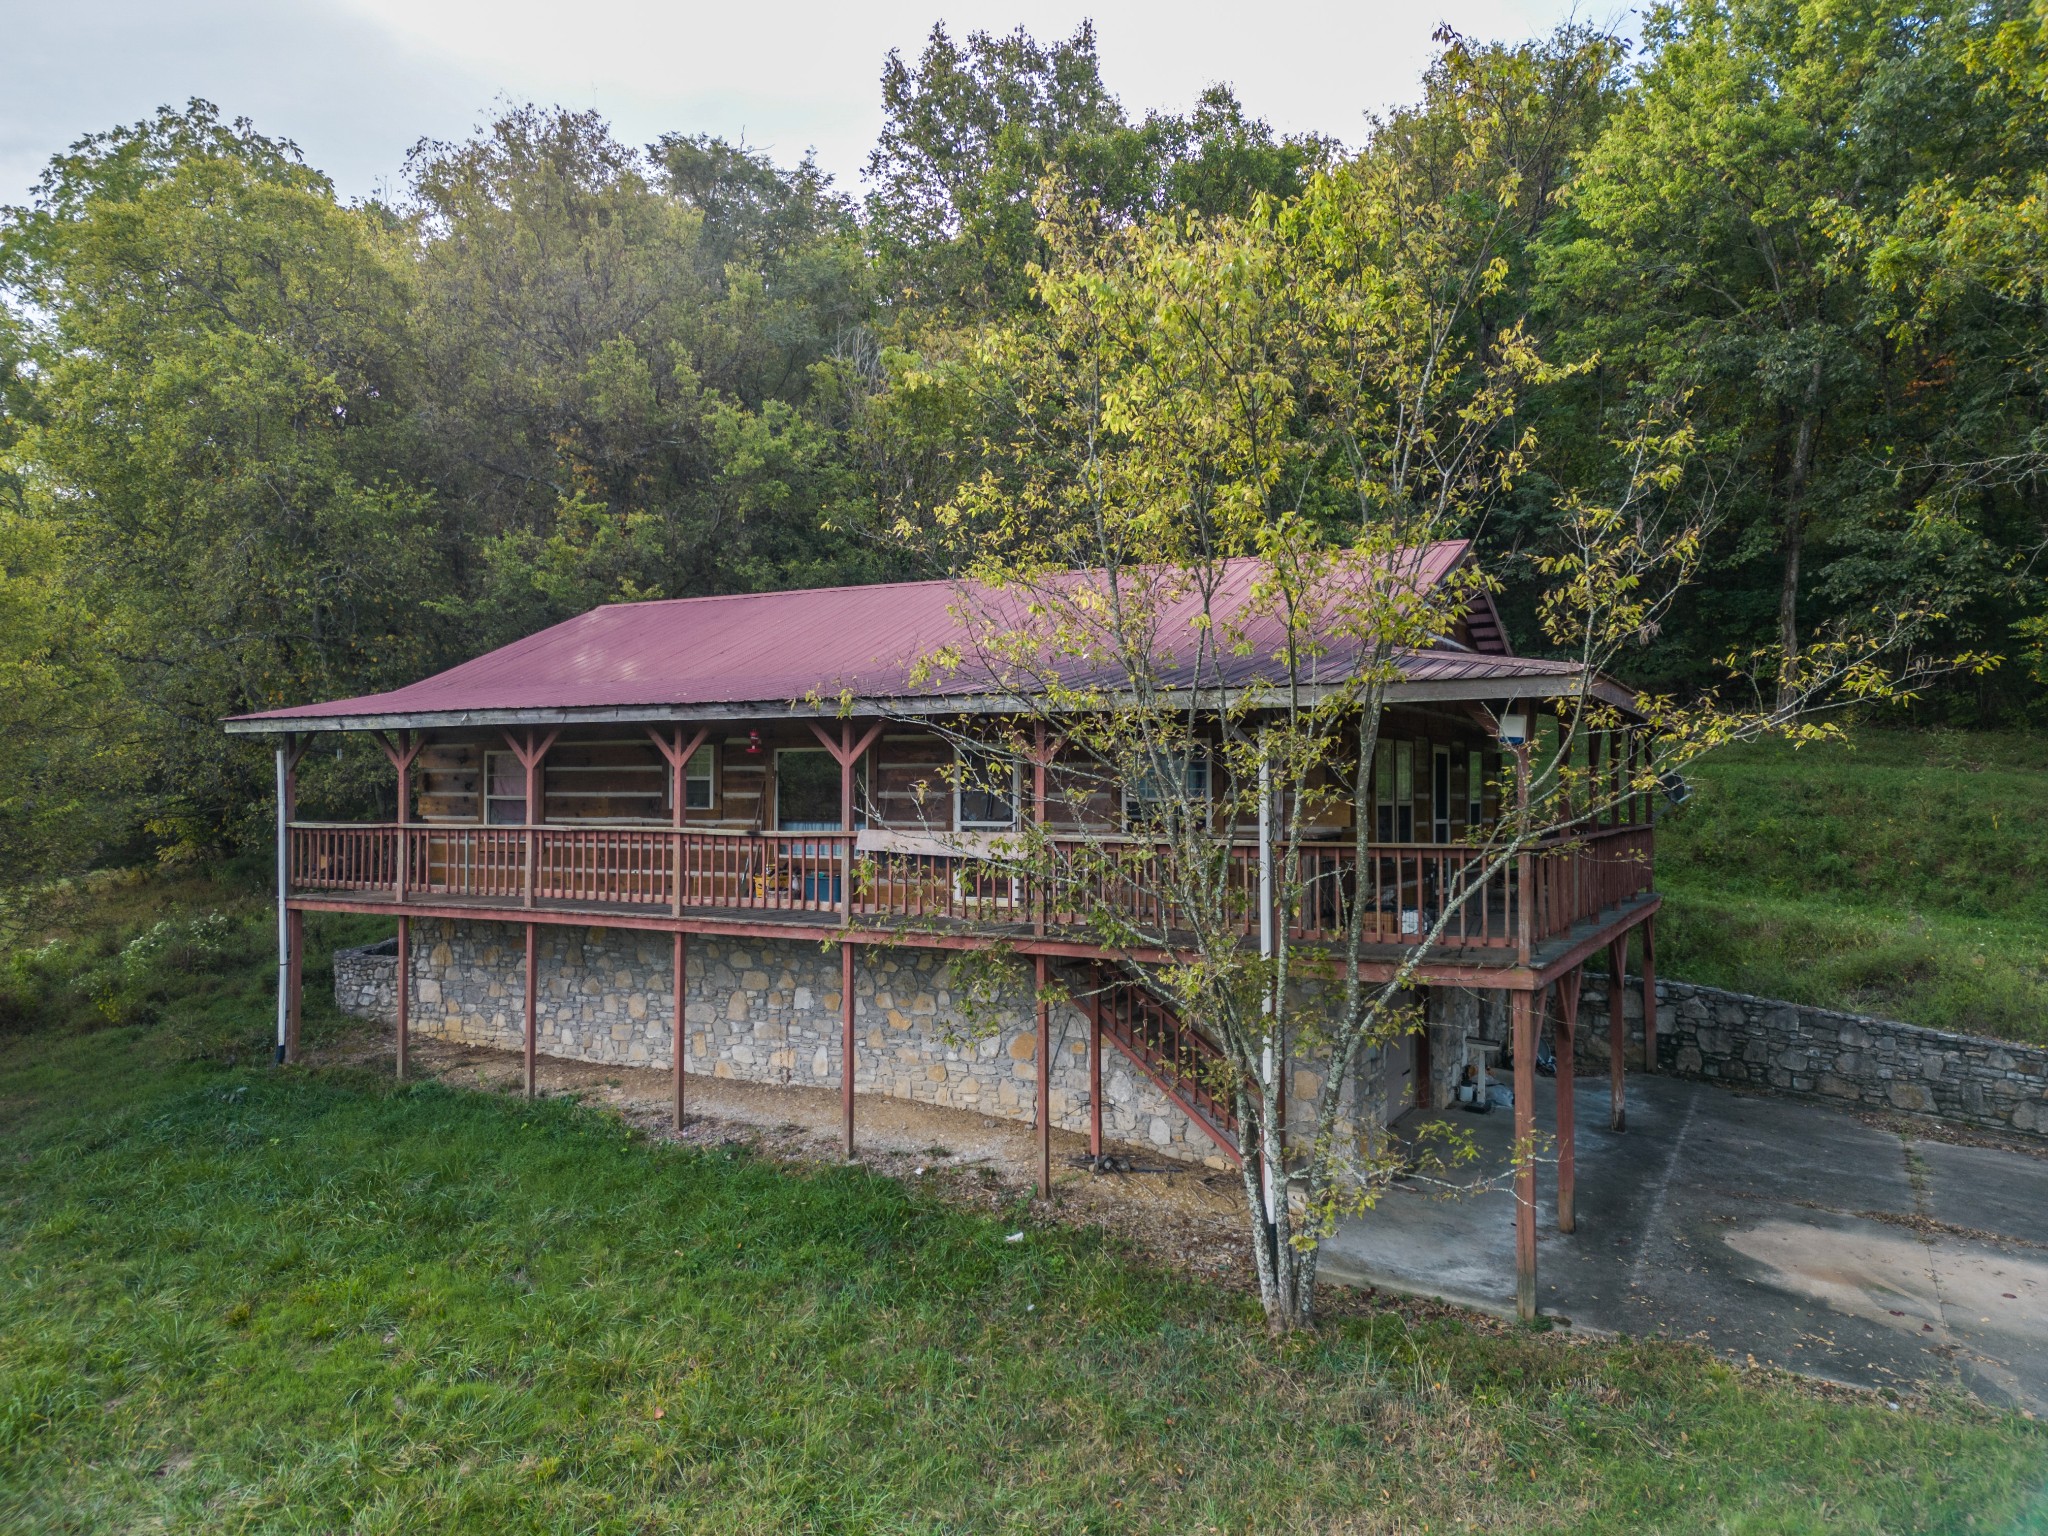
(284, 933)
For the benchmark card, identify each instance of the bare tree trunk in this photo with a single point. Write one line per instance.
(1793, 542)
(1788, 600)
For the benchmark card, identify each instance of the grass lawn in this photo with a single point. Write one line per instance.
(1905, 876)
(240, 1299)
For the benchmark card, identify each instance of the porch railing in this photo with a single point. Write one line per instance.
(1397, 891)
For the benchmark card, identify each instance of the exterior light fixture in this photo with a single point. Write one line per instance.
(1512, 725)
(754, 743)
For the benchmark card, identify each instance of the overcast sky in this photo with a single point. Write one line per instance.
(357, 82)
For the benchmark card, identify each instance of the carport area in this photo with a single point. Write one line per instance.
(1767, 1228)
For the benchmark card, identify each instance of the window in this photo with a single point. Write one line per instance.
(1156, 792)
(806, 790)
(1393, 778)
(1440, 794)
(982, 799)
(504, 790)
(700, 779)
(1475, 789)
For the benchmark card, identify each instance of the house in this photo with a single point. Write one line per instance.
(718, 835)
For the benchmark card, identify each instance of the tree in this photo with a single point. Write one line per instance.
(1199, 541)
(1696, 258)
(213, 443)
(1957, 269)
(617, 379)
(972, 130)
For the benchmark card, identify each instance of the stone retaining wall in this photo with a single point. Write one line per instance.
(1843, 1058)
(762, 1010)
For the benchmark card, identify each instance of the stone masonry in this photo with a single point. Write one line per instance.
(762, 1010)
(1842, 1058)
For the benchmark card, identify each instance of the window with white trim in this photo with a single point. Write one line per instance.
(700, 779)
(1155, 793)
(985, 796)
(1393, 779)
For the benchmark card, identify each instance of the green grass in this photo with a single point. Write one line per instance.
(246, 1299)
(1905, 875)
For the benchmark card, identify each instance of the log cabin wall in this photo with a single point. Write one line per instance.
(603, 775)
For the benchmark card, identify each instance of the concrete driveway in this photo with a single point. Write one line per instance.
(1761, 1227)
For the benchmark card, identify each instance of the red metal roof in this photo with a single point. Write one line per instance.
(777, 648)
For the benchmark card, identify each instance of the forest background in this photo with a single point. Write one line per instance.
(259, 445)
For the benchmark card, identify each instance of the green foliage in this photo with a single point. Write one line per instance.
(1699, 257)
(1904, 875)
(257, 446)
(973, 133)
(244, 1298)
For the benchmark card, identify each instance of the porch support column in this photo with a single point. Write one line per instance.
(1617, 1034)
(1568, 986)
(846, 1041)
(680, 1047)
(290, 924)
(1650, 993)
(404, 981)
(1094, 1080)
(1525, 865)
(847, 753)
(530, 747)
(532, 1008)
(1038, 898)
(1044, 1080)
(678, 753)
(1524, 1033)
(400, 748)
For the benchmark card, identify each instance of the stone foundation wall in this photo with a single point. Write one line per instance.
(1844, 1058)
(762, 1010)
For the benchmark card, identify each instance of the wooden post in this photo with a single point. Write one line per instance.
(1617, 1034)
(531, 748)
(846, 1040)
(1525, 865)
(532, 1007)
(1650, 993)
(681, 1037)
(846, 761)
(1095, 1078)
(1568, 986)
(678, 753)
(1524, 1034)
(1044, 1081)
(846, 752)
(1038, 898)
(404, 980)
(400, 748)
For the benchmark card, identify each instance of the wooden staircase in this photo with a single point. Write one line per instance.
(1181, 1061)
